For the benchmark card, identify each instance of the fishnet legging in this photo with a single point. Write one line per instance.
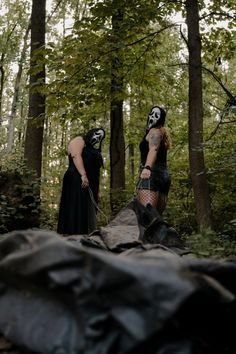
(146, 196)
(157, 200)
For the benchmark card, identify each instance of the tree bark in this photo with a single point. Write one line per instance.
(10, 135)
(195, 134)
(2, 70)
(36, 113)
(117, 143)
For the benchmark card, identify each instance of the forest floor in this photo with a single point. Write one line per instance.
(211, 245)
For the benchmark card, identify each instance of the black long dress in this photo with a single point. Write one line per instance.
(77, 212)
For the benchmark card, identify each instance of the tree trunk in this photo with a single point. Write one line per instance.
(131, 144)
(2, 71)
(10, 134)
(131, 160)
(196, 153)
(34, 130)
(117, 143)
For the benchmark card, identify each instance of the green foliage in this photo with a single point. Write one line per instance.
(19, 201)
(155, 72)
(152, 75)
(212, 245)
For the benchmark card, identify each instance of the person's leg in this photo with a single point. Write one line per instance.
(162, 184)
(161, 204)
(146, 196)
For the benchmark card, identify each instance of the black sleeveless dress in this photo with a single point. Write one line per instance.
(77, 212)
(160, 178)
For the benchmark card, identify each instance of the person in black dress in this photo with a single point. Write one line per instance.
(154, 178)
(80, 189)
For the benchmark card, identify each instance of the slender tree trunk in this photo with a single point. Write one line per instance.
(34, 130)
(2, 71)
(20, 135)
(196, 153)
(10, 134)
(117, 143)
(131, 145)
(131, 159)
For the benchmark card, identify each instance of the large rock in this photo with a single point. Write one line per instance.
(59, 296)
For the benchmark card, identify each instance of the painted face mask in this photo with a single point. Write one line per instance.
(154, 117)
(97, 136)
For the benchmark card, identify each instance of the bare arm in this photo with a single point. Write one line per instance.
(75, 148)
(154, 139)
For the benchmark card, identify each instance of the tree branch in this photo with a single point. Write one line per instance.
(183, 36)
(213, 13)
(54, 10)
(232, 98)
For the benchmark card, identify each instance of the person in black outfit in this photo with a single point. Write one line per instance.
(80, 189)
(154, 178)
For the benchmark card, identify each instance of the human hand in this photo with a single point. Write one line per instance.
(85, 181)
(145, 174)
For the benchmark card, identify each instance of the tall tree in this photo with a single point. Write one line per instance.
(5, 47)
(117, 144)
(195, 132)
(15, 99)
(36, 113)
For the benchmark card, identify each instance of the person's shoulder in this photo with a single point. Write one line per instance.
(155, 131)
(77, 140)
(76, 143)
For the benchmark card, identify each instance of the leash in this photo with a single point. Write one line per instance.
(134, 196)
(95, 204)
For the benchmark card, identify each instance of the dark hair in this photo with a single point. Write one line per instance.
(88, 136)
(162, 120)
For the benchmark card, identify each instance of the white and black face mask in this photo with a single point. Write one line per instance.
(97, 136)
(154, 117)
